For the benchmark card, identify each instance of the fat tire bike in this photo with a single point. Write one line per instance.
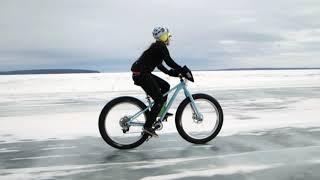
(198, 118)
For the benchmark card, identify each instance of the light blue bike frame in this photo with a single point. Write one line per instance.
(177, 88)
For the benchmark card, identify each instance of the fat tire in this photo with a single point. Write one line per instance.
(179, 112)
(102, 119)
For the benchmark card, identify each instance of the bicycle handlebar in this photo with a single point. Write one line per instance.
(188, 76)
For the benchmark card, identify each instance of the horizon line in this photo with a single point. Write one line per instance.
(68, 71)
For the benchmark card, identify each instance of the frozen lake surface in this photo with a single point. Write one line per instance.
(271, 129)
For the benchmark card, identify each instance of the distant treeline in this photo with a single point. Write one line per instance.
(48, 71)
(256, 69)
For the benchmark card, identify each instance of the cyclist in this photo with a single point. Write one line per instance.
(153, 85)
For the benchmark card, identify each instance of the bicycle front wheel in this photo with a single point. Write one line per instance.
(112, 123)
(195, 130)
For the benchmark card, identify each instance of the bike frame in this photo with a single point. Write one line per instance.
(177, 88)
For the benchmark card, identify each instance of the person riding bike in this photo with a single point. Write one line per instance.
(153, 85)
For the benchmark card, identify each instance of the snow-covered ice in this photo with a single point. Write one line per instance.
(49, 128)
(67, 106)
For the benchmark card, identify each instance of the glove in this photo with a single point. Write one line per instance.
(187, 73)
(173, 73)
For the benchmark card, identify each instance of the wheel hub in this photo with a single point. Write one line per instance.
(197, 119)
(124, 123)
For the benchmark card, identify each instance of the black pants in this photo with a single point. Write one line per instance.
(155, 87)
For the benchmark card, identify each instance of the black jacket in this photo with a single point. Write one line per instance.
(153, 57)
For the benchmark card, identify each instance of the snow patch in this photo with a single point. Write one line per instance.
(5, 150)
(58, 148)
(314, 130)
(211, 172)
(44, 157)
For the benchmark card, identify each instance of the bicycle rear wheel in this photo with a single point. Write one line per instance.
(112, 122)
(193, 130)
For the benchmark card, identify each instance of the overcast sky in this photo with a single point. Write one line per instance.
(109, 35)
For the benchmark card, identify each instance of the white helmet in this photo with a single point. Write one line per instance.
(159, 31)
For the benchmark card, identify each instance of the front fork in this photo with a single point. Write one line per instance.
(196, 115)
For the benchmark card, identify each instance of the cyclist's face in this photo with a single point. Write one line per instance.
(168, 40)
